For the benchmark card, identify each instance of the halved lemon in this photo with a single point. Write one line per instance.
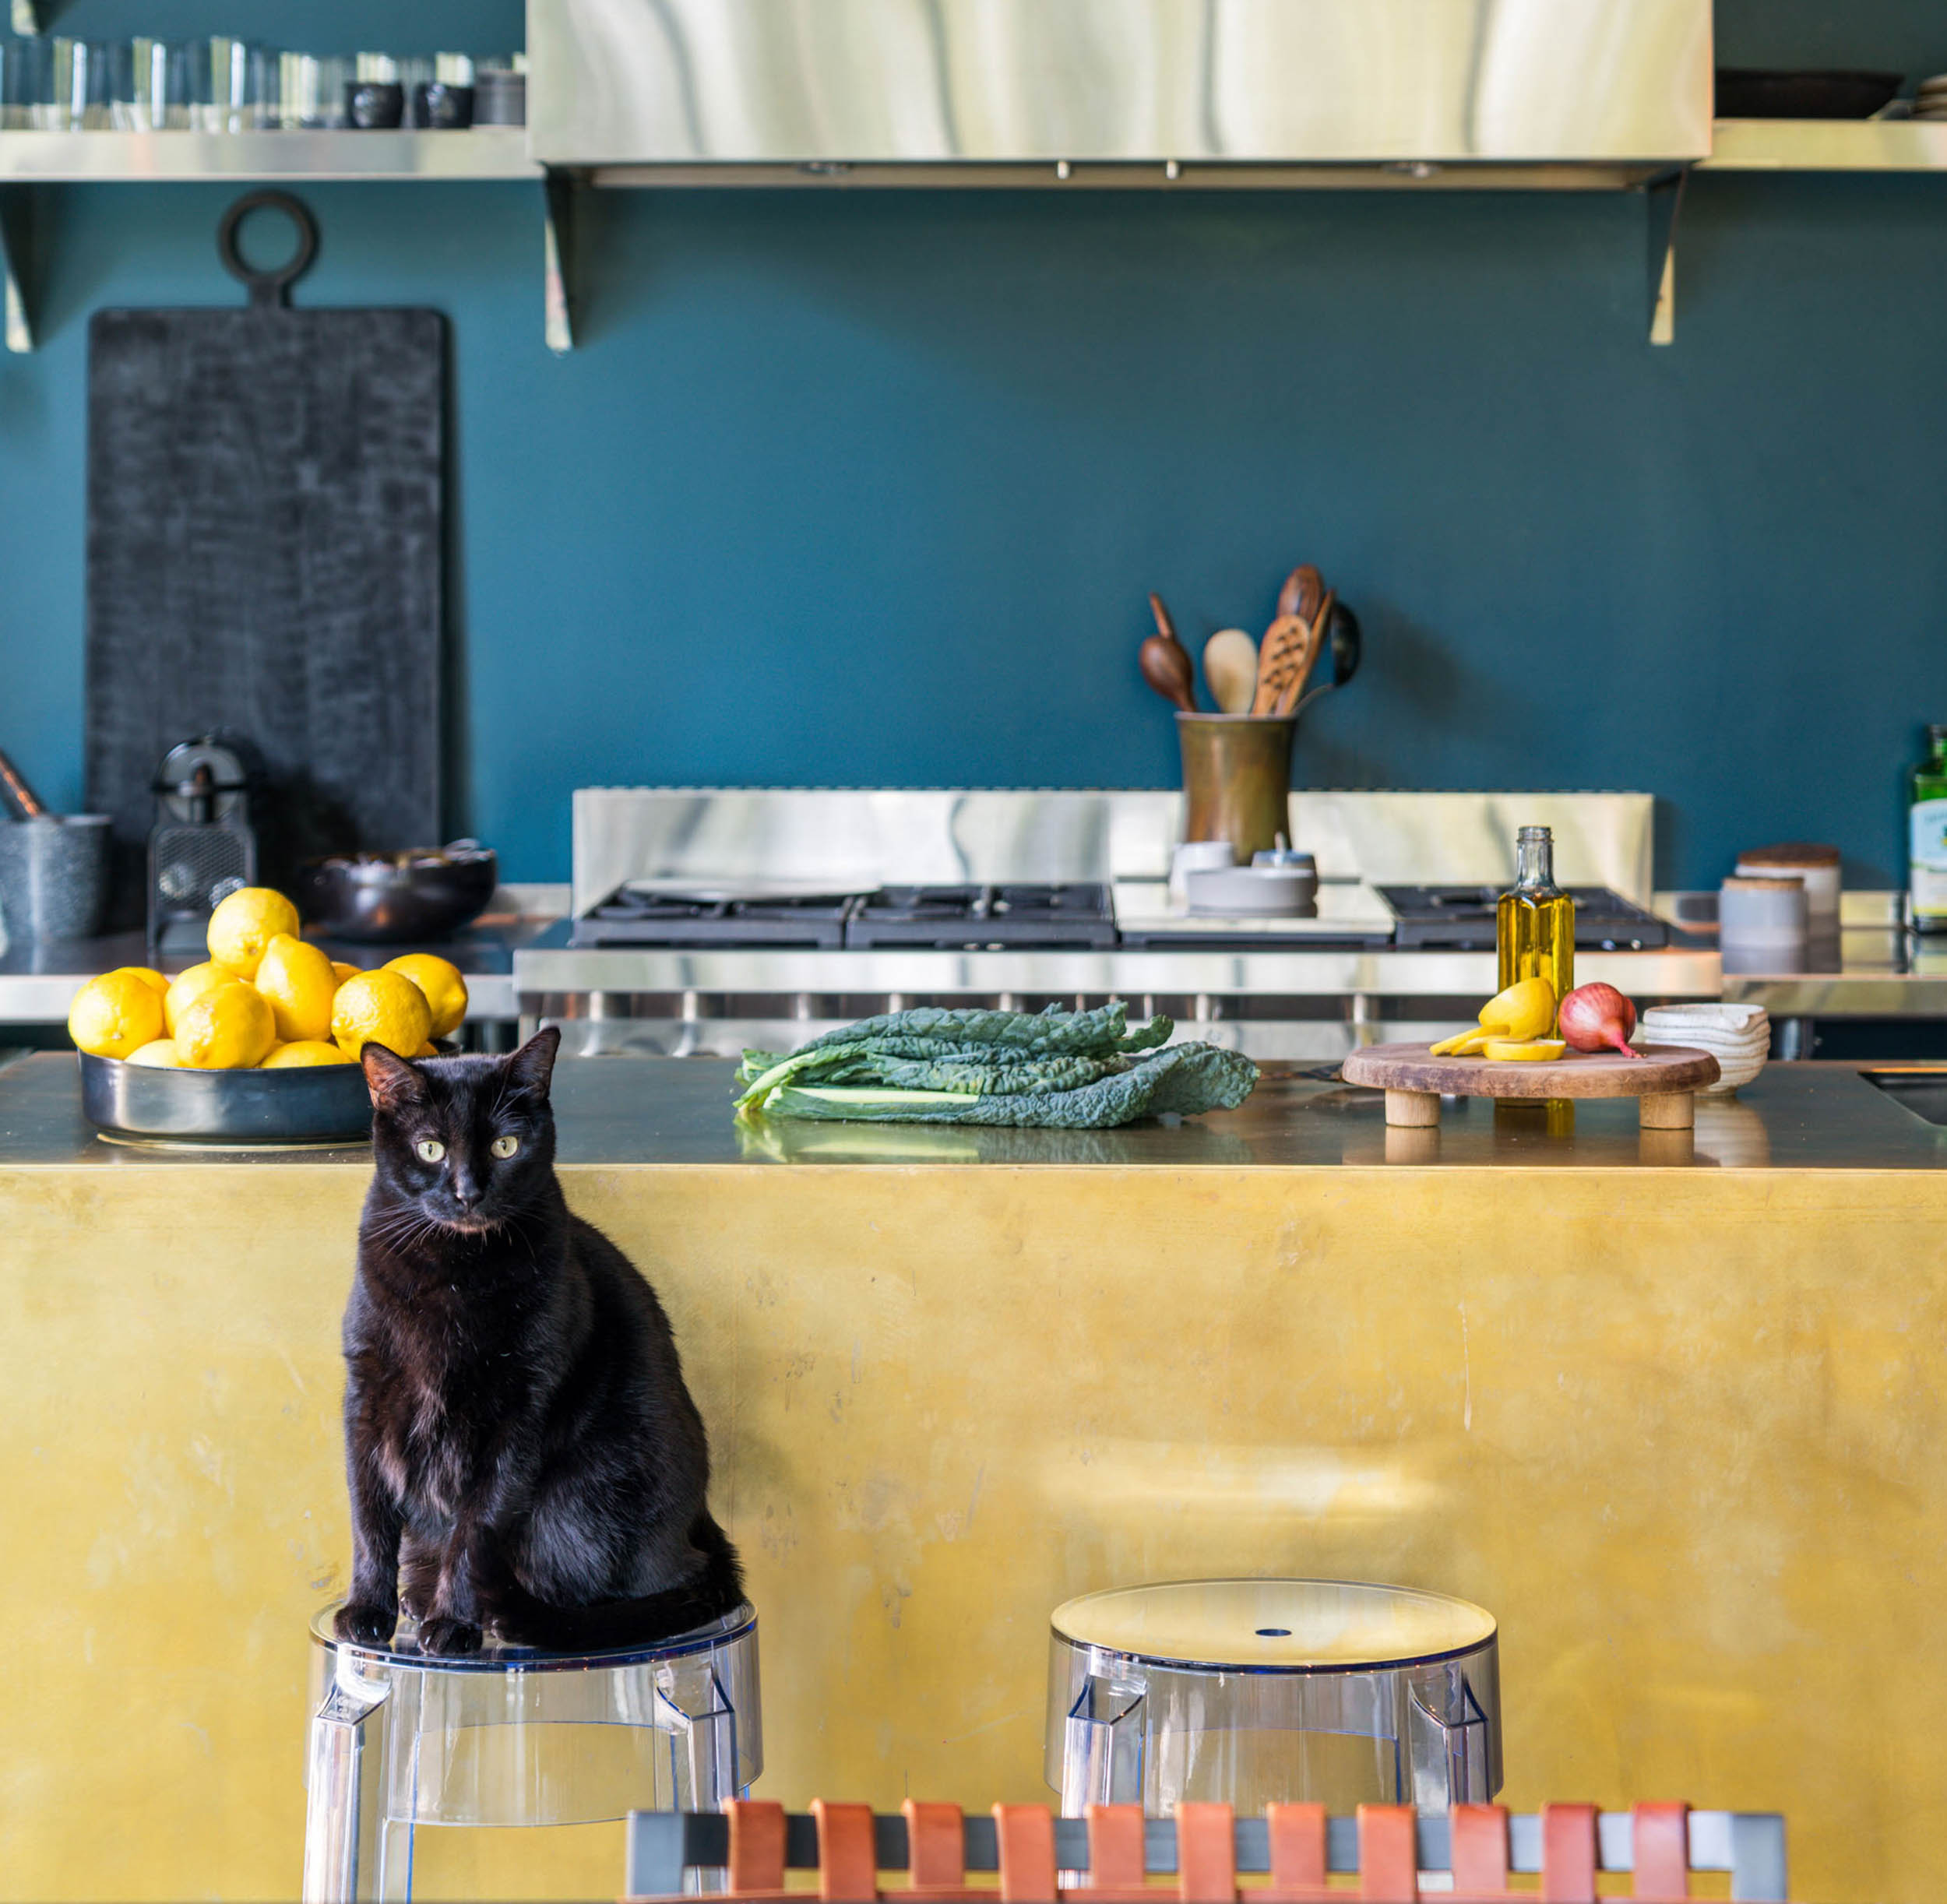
(1529, 1050)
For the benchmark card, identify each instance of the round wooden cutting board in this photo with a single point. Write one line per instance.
(1665, 1079)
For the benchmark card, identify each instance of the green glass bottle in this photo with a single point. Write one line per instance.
(1926, 837)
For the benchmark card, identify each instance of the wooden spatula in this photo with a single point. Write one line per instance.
(1314, 647)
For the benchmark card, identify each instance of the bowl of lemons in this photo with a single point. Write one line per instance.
(259, 1043)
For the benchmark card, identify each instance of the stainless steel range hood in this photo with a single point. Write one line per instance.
(1133, 92)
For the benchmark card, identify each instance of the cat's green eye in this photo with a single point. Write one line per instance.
(505, 1146)
(431, 1149)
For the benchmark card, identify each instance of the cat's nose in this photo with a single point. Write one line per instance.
(466, 1193)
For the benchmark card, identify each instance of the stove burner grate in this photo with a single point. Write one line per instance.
(1077, 916)
(1462, 919)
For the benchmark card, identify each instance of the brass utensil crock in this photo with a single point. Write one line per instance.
(1236, 778)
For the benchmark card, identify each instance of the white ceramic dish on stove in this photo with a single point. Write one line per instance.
(1252, 891)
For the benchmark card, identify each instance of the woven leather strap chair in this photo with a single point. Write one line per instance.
(1116, 1856)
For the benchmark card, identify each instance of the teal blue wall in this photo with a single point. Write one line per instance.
(848, 488)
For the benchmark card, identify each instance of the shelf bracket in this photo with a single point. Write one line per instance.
(558, 240)
(1663, 198)
(17, 285)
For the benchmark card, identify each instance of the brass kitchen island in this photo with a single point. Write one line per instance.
(1669, 1409)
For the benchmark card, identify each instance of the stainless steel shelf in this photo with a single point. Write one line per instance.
(135, 158)
(1827, 146)
(541, 970)
(29, 160)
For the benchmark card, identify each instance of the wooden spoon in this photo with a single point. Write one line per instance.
(1314, 647)
(1230, 669)
(1304, 590)
(1166, 663)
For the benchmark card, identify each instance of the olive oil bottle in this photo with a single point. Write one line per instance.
(1535, 924)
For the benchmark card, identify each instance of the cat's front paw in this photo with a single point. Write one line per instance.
(364, 1622)
(443, 1634)
(416, 1599)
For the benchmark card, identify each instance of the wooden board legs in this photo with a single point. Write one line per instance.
(1672, 1111)
(1413, 1110)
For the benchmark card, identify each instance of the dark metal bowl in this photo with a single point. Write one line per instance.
(398, 897)
(306, 1104)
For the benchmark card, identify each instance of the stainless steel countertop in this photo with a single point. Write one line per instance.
(38, 982)
(676, 1113)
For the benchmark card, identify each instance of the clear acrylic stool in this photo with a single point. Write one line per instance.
(510, 1736)
(1259, 1692)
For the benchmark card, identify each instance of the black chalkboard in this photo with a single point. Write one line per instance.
(264, 553)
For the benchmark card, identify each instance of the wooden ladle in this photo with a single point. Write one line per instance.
(1166, 663)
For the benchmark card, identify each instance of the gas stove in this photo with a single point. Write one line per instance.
(1462, 919)
(1047, 915)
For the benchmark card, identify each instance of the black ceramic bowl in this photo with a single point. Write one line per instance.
(393, 899)
(306, 1104)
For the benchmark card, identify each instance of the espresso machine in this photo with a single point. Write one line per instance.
(202, 846)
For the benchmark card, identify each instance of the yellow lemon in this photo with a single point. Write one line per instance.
(1525, 1010)
(244, 924)
(297, 979)
(380, 1007)
(148, 974)
(160, 1053)
(188, 987)
(114, 1015)
(340, 971)
(445, 990)
(428, 1050)
(229, 1027)
(301, 1051)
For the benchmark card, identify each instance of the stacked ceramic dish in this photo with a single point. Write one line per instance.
(1930, 98)
(1737, 1035)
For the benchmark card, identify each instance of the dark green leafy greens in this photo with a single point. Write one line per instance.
(1184, 1079)
(1073, 1070)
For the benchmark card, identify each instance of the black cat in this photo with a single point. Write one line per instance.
(522, 1451)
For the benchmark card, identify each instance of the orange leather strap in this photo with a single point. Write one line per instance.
(847, 1857)
(756, 1844)
(1569, 1854)
(1661, 1835)
(1026, 1833)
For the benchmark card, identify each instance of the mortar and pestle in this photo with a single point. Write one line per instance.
(1236, 765)
(54, 869)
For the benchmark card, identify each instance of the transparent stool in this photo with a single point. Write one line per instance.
(1256, 1692)
(507, 1736)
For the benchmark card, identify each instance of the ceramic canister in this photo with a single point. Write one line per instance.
(1815, 868)
(1760, 925)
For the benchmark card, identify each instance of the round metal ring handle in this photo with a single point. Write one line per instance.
(269, 290)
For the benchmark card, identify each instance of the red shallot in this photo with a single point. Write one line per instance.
(1593, 1017)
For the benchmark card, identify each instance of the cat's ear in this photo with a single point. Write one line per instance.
(532, 1066)
(393, 1083)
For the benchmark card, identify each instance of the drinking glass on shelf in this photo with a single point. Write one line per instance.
(148, 85)
(13, 98)
(65, 83)
(311, 92)
(233, 86)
